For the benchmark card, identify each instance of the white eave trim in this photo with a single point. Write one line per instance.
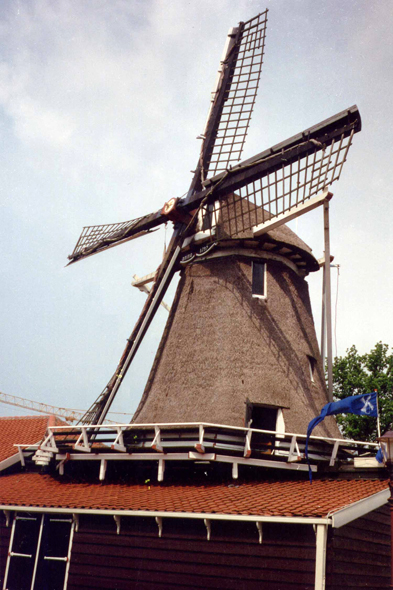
(358, 509)
(13, 459)
(163, 514)
(9, 461)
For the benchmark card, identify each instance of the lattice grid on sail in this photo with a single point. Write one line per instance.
(240, 100)
(94, 237)
(292, 184)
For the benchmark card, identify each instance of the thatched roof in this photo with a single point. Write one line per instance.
(234, 219)
(237, 215)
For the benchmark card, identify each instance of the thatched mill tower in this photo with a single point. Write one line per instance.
(240, 341)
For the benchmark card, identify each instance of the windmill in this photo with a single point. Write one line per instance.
(236, 211)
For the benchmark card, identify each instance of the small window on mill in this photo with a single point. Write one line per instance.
(259, 279)
(312, 364)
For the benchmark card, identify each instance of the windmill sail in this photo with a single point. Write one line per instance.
(239, 96)
(95, 238)
(233, 99)
(278, 179)
(287, 175)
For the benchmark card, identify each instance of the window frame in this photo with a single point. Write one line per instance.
(312, 363)
(254, 286)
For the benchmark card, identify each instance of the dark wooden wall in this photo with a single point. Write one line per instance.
(359, 553)
(183, 559)
(4, 544)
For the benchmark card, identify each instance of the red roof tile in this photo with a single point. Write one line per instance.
(23, 430)
(263, 498)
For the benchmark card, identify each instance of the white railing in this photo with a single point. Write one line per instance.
(190, 441)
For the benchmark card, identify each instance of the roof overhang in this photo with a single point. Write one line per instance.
(163, 514)
(17, 458)
(354, 511)
(9, 461)
(336, 518)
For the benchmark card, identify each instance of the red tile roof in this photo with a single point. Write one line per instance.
(263, 498)
(23, 430)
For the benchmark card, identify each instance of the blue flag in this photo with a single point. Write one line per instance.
(362, 405)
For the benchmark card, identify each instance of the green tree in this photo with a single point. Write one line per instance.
(356, 373)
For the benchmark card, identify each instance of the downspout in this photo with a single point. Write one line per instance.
(320, 557)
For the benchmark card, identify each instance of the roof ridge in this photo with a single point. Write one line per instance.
(29, 417)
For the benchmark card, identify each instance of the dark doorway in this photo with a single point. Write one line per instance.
(262, 417)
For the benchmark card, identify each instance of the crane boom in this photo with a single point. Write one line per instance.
(21, 402)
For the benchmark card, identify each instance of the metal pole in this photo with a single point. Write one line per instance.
(378, 420)
(391, 522)
(323, 318)
(328, 297)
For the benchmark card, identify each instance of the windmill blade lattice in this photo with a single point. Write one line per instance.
(284, 177)
(286, 188)
(95, 238)
(240, 95)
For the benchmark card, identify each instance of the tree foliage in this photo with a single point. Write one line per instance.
(356, 373)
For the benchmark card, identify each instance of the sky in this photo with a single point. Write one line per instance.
(101, 102)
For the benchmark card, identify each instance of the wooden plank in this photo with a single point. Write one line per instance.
(342, 580)
(360, 547)
(195, 580)
(363, 534)
(362, 524)
(349, 567)
(335, 583)
(214, 554)
(381, 515)
(192, 543)
(277, 570)
(189, 559)
(81, 582)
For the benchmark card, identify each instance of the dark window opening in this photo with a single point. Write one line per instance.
(312, 365)
(258, 279)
